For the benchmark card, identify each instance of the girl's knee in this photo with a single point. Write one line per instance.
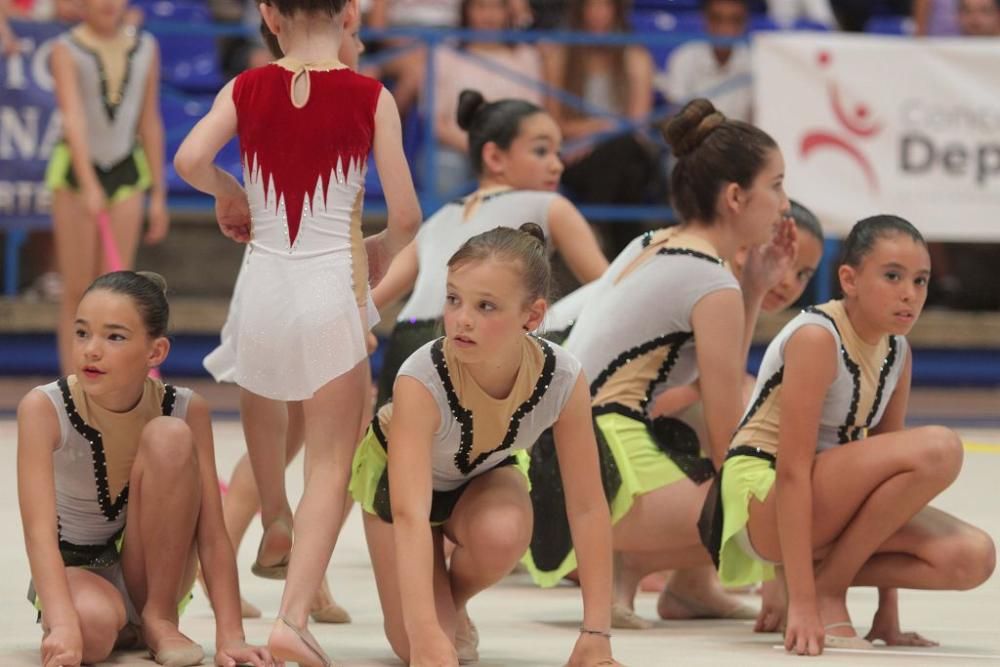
(169, 442)
(503, 537)
(101, 619)
(973, 559)
(941, 452)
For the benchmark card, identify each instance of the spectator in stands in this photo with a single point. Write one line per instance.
(547, 14)
(716, 71)
(787, 12)
(8, 40)
(615, 85)
(935, 18)
(979, 18)
(407, 70)
(517, 74)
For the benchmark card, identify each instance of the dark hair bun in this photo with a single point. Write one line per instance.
(534, 230)
(155, 278)
(685, 131)
(469, 104)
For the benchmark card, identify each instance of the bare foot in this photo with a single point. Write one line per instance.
(167, 645)
(293, 643)
(680, 606)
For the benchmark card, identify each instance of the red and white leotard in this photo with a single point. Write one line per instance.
(296, 314)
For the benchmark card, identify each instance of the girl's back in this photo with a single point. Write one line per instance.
(305, 154)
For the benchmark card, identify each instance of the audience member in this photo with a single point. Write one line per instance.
(935, 18)
(457, 71)
(979, 18)
(703, 69)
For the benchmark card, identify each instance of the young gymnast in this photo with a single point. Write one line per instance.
(306, 125)
(241, 502)
(106, 77)
(561, 317)
(852, 487)
(514, 148)
(437, 460)
(118, 493)
(667, 312)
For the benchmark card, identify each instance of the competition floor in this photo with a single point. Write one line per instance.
(524, 626)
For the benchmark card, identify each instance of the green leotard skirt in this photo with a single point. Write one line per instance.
(129, 176)
(637, 456)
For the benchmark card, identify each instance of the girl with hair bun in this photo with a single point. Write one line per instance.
(669, 312)
(438, 460)
(514, 150)
(825, 430)
(118, 493)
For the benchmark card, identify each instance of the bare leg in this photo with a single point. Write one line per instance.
(932, 551)
(77, 255)
(264, 428)
(158, 556)
(101, 611)
(491, 527)
(863, 493)
(382, 549)
(126, 226)
(660, 532)
(332, 419)
(696, 592)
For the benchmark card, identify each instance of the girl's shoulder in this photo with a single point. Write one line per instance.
(560, 365)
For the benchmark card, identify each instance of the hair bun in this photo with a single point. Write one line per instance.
(534, 230)
(469, 104)
(155, 278)
(685, 131)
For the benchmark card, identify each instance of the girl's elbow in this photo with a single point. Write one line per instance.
(185, 163)
(407, 222)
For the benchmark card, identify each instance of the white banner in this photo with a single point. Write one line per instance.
(871, 124)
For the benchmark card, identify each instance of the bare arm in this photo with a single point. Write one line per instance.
(721, 365)
(587, 510)
(195, 158)
(639, 72)
(921, 17)
(449, 133)
(75, 127)
(37, 436)
(215, 552)
(886, 624)
(394, 172)
(575, 241)
(151, 136)
(378, 15)
(8, 40)
(195, 163)
(763, 268)
(399, 279)
(415, 419)
(810, 369)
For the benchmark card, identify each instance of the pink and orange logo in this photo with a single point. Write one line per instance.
(856, 125)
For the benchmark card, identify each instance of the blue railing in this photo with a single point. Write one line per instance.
(432, 39)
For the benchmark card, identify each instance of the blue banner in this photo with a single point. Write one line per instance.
(29, 126)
